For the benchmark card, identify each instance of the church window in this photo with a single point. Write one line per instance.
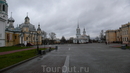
(26, 38)
(3, 7)
(0, 7)
(15, 37)
(7, 37)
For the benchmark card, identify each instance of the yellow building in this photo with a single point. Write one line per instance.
(120, 35)
(22, 34)
(110, 36)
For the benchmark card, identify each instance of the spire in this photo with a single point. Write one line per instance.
(27, 14)
(78, 25)
(78, 30)
(84, 32)
(11, 14)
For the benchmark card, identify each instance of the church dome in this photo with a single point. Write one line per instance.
(26, 17)
(39, 29)
(11, 19)
(27, 24)
(30, 26)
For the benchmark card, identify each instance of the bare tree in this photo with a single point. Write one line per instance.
(71, 40)
(52, 37)
(44, 38)
(102, 35)
(44, 34)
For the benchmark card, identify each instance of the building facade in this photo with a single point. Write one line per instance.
(81, 38)
(3, 20)
(22, 34)
(121, 35)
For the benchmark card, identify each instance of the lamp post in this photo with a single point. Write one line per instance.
(37, 42)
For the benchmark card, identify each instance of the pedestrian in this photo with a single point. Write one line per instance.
(106, 43)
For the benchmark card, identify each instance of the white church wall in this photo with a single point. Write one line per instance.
(2, 33)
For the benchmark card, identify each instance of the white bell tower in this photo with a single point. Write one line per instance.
(3, 21)
(78, 32)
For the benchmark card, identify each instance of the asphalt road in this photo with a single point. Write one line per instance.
(78, 58)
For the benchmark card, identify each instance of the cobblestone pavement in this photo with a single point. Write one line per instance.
(79, 58)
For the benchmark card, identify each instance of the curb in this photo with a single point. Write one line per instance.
(1, 70)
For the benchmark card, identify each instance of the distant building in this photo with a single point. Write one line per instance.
(110, 36)
(120, 35)
(81, 38)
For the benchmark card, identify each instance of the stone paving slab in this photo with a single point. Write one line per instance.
(95, 58)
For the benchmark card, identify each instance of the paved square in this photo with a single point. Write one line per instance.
(81, 58)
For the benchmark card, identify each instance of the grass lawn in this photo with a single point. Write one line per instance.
(128, 47)
(10, 59)
(11, 48)
(13, 58)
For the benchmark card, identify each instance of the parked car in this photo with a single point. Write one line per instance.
(29, 44)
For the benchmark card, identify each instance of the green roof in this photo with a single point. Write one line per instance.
(2, 2)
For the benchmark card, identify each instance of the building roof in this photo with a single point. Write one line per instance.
(39, 29)
(27, 24)
(31, 27)
(11, 19)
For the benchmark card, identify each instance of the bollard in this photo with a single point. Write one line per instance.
(43, 52)
(123, 47)
(56, 47)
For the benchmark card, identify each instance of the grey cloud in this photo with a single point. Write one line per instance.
(62, 16)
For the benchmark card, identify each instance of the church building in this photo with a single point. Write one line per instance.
(23, 33)
(81, 38)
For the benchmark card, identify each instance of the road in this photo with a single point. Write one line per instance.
(78, 58)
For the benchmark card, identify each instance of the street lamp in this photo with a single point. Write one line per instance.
(37, 42)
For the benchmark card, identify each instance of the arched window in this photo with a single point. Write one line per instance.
(0, 7)
(3, 7)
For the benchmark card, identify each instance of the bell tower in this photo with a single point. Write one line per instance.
(3, 21)
(78, 31)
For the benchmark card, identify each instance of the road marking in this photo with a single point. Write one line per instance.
(65, 68)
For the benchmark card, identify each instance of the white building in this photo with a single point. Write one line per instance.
(3, 21)
(81, 38)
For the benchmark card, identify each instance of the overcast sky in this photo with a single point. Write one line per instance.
(62, 16)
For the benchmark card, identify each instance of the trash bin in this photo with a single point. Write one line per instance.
(56, 47)
(39, 52)
(123, 47)
(43, 52)
(49, 48)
